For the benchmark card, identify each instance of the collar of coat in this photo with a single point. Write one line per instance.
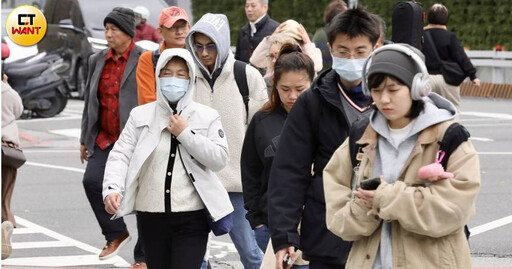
(435, 26)
(259, 25)
(327, 85)
(427, 136)
(262, 22)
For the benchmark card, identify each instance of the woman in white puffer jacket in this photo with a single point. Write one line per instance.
(162, 168)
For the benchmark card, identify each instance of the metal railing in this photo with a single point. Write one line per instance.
(492, 66)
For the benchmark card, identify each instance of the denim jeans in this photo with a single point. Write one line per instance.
(243, 236)
(262, 237)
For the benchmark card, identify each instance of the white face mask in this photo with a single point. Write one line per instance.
(350, 70)
(173, 88)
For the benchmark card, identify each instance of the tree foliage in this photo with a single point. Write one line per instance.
(479, 24)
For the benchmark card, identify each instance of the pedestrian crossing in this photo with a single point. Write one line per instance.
(468, 118)
(27, 236)
(72, 132)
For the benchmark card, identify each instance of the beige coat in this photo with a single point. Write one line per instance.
(12, 108)
(427, 220)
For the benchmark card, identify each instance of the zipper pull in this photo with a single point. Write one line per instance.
(355, 178)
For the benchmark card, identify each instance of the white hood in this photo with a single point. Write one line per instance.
(164, 58)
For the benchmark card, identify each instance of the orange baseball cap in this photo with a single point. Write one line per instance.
(171, 15)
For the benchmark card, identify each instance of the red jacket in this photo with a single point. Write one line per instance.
(145, 31)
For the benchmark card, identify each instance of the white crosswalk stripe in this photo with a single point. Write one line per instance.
(58, 241)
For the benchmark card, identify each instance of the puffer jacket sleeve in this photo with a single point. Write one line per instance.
(119, 158)
(344, 217)
(11, 102)
(211, 150)
(16, 103)
(439, 209)
(258, 57)
(257, 90)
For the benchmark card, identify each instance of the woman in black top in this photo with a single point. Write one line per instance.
(449, 49)
(293, 74)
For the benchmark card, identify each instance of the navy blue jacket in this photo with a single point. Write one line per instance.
(246, 44)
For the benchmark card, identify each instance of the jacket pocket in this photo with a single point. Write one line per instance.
(201, 129)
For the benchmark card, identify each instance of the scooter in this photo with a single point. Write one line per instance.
(43, 93)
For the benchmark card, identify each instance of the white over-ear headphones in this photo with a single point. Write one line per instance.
(420, 86)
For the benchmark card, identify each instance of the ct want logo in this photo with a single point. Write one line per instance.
(26, 25)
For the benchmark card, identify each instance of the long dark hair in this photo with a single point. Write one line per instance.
(290, 59)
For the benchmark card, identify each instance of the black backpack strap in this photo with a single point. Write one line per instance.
(241, 82)
(356, 132)
(154, 56)
(454, 135)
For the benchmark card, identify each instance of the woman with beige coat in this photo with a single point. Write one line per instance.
(12, 108)
(407, 222)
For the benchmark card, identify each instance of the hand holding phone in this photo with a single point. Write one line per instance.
(286, 261)
(285, 258)
(370, 184)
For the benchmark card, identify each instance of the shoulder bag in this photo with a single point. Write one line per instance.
(12, 155)
(451, 71)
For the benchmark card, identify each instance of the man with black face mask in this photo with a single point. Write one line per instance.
(316, 126)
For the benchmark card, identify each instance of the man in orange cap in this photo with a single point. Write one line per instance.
(173, 27)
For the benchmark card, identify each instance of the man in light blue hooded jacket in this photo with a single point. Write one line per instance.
(208, 41)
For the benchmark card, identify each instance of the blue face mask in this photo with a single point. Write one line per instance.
(173, 88)
(350, 70)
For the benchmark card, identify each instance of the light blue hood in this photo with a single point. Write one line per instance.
(216, 27)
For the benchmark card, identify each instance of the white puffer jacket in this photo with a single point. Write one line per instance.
(203, 139)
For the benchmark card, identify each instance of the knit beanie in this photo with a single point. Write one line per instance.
(123, 18)
(397, 64)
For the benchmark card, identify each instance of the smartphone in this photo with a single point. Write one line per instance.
(286, 260)
(370, 184)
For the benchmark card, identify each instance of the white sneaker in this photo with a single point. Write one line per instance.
(7, 228)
